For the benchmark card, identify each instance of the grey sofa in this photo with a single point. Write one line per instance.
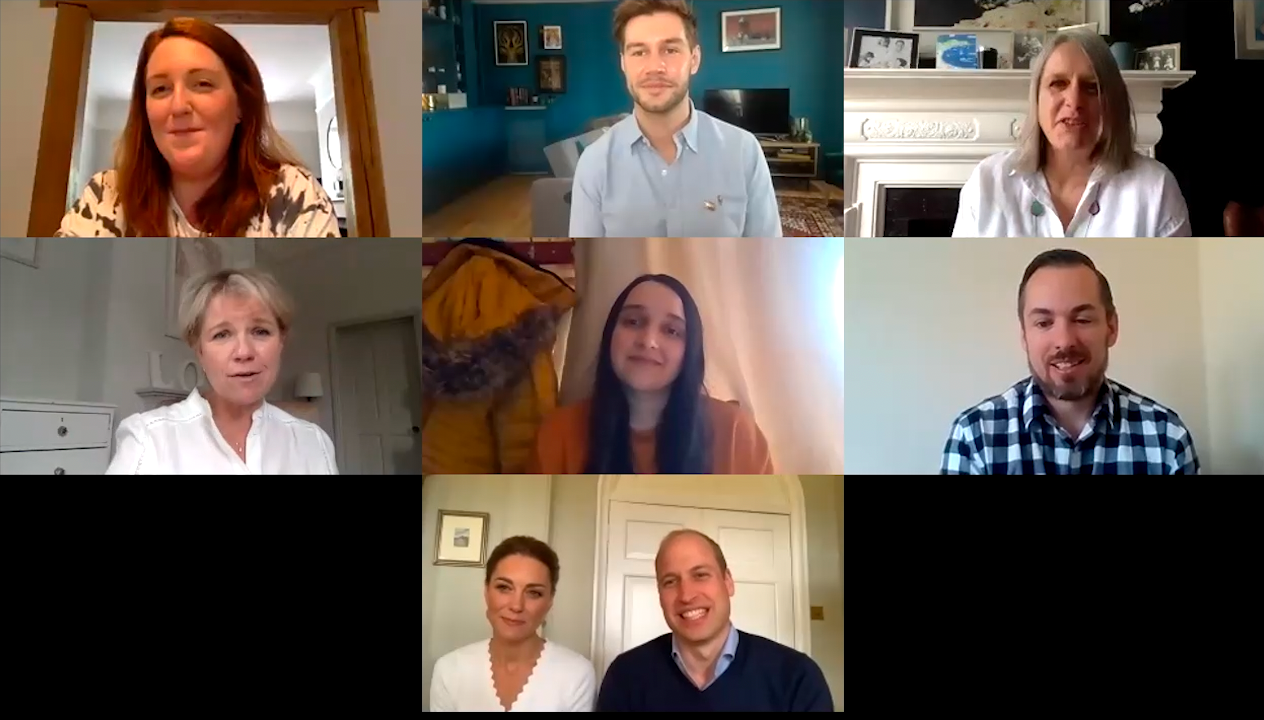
(551, 196)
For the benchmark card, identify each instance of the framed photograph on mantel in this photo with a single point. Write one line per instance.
(873, 48)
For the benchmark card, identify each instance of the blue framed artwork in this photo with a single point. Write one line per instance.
(957, 52)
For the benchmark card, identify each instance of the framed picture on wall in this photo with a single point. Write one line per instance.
(748, 30)
(551, 37)
(511, 42)
(1248, 29)
(550, 72)
(461, 539)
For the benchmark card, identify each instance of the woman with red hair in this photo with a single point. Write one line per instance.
(199, 155)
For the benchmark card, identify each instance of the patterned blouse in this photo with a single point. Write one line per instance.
(297, 207)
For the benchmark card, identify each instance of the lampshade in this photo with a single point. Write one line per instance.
(308, 386)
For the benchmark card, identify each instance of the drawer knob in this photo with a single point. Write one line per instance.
(59, 471)
(61, 431)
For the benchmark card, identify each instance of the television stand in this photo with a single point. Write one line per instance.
(792, 160)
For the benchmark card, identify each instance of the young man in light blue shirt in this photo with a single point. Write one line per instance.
(669, 169)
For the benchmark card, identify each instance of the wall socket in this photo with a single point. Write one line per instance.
(817, 612)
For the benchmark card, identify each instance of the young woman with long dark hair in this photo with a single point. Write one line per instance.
(649, 411)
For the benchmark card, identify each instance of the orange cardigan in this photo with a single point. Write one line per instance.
(561, 446)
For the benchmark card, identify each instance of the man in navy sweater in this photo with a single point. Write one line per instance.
(705, 664)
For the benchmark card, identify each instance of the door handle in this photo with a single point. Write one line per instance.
(416, 430)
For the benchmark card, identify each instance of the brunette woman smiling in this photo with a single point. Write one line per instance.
(516, 670)
(649, 412)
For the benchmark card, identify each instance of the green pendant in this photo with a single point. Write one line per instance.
(1037, 209)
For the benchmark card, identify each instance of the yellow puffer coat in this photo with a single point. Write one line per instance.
(489, 326)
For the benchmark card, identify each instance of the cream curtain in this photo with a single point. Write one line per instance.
(772, 313)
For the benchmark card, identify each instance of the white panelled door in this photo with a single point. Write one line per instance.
(378, 398)
(756, 546)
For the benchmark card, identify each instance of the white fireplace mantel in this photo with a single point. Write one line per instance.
(929, 128)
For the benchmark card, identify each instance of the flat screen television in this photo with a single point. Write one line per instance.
(762, 112)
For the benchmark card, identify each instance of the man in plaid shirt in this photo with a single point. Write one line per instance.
(1067, 418)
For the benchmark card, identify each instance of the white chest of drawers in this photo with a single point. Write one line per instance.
(48, 437)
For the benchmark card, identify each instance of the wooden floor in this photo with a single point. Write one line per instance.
(499, 209)
(502, 209)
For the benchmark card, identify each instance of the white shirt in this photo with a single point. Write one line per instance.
(562, 681)
(1144, 201)
(181, 439)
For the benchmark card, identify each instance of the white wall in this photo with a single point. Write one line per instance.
(452, 608)
(452, 599)
(349, 280)
(932, 329)
(1232, 275)
(51, 318)
(26, 40)
(80, 327)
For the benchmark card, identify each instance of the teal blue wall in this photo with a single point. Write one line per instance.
(465, 148)
(810, 61)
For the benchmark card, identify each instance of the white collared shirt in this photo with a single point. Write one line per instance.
(1144, 201)
(181, 439)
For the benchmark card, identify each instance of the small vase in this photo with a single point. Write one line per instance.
(1123, 54)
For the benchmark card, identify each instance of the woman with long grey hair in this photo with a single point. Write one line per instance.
(1076, 172)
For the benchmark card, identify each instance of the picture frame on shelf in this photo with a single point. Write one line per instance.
(750, 30)
(511, 43)
(1028, 44)
(1002, 41)
(1159, 58)
(883, 49)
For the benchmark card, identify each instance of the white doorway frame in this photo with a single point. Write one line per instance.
(767, 494)
(413, 313)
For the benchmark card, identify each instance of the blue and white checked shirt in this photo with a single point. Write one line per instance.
(719, 185)
(1016, 434)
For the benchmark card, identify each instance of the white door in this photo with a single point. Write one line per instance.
(756, 546)
(378, 398)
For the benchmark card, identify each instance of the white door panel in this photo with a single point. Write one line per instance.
(379, 397)
(756, 546)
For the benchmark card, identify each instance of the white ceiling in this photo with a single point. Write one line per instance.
(288, 56)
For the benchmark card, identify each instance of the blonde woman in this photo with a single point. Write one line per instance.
(1076, 172)
(236, 322)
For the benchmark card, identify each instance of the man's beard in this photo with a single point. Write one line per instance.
(664, 105)
(1068, 392)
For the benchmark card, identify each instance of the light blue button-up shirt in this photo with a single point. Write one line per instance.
(726, 657)
(719, 185)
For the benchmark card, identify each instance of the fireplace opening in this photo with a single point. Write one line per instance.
(919, 212)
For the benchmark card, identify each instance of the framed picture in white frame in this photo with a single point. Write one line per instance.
(750, 30)
(22, 250)
(1248, 29)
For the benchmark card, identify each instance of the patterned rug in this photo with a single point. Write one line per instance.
(802, 217)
